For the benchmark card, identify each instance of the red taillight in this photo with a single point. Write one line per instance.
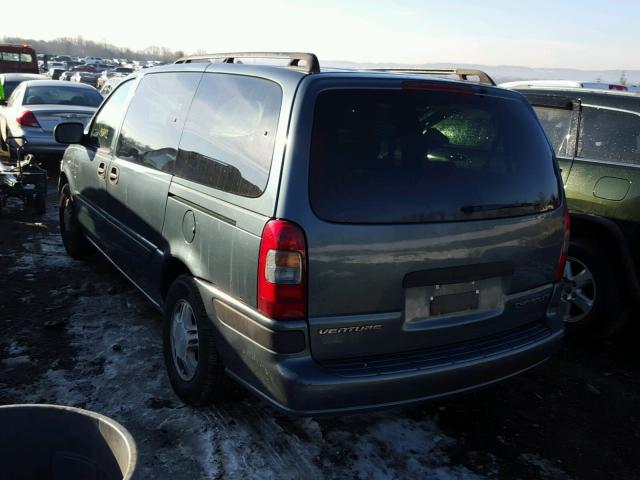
(562, 261)
(27, 119)
(282, 271)
(437, 87)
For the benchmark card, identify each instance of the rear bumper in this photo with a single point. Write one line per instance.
(42, 144)
(297, 384)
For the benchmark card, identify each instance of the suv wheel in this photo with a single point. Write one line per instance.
(193, 363)
(592, 296)
(73, 237)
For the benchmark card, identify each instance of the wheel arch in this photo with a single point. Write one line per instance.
(607, 233)
(62, 180)
(172, 268)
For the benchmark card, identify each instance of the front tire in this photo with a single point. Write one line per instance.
(192, 360)
(593, 307)
(73, 239)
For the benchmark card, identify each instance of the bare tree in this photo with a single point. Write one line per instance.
(78, 46)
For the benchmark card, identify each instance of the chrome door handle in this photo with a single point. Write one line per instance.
(101, 169)
(113, 175)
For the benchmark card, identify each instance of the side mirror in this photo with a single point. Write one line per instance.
(67, 133)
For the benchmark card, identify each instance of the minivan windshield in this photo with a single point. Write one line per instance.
(411, 156)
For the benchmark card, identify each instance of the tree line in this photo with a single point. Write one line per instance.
(80, 47)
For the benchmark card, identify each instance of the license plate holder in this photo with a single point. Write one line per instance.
(454, 303)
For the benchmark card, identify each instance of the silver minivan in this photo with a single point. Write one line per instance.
(335, 241)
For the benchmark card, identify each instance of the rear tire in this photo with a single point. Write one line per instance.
(193, 363)
(592, 276)
(73, 239)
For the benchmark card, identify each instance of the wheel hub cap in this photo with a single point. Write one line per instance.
(579, 291)
(184, 340)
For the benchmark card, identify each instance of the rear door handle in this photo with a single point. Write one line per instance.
(114, 173)
(101, 169)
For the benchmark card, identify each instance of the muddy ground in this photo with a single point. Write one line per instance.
(76, 333)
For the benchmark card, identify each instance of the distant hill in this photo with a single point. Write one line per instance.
(508, 73)
(78, 46)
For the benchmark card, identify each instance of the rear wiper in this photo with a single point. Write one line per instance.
(469, 209)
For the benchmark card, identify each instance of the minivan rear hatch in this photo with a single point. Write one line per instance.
(436, 206)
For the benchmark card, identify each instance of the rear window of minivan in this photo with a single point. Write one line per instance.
(411, 156)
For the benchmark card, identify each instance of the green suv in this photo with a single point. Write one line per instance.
(596, 135)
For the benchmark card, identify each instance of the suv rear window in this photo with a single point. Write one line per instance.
(557, 122)
(609, 135)
(410, 156)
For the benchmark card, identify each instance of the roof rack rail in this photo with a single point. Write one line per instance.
(462, 73)
(311, 63)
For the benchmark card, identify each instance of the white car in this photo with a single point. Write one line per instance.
(36, 107)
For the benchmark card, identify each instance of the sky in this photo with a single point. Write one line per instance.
(585, 34)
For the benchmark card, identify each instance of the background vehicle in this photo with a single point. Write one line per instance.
(66, 76)
(596, 135)
(88, 78)
(11, 80)
(37, 106)
(405, 245)
(18, 59)
(109, 85)
(55, 71)
(554, 84)
(115, 72)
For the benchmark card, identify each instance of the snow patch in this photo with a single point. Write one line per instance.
(547, 469)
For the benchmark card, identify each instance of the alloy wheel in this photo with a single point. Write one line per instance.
(579, 293)
(184, 340)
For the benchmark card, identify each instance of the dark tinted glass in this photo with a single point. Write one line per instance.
(609, 135)
(557, 123)
(416, 156)
(9, 87)
(108, 119)
(230, 133)
(16, 57)
(153, 124)
(66, 95)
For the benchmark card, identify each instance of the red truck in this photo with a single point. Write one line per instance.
(18, 59)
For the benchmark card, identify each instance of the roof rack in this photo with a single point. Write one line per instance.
(311, 63)
(462, 73)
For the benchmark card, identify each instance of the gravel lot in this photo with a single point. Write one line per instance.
(76, 333)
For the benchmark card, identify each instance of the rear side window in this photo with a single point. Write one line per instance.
(14, 95)
(9, 87)
(230, 132)
(151, 130)
(609, 135)
(557, 122)
(410, 156)
(108, 119)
